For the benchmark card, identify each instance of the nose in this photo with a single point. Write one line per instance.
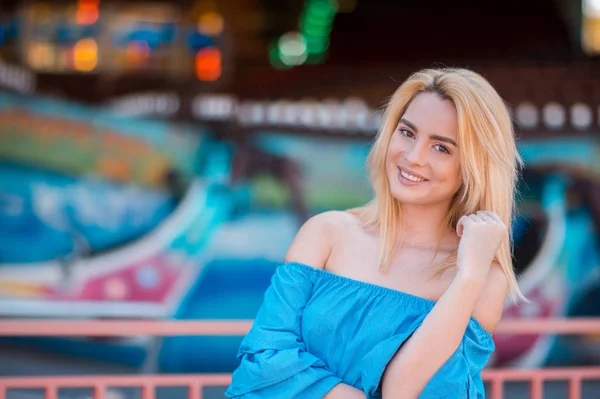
(415, 155)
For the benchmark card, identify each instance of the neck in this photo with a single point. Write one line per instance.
(424, 225)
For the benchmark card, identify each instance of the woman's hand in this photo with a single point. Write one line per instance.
(480, 237)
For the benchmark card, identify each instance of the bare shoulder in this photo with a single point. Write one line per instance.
(314, 241)
(490, 306)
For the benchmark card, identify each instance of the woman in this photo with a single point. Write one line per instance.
(398, 299)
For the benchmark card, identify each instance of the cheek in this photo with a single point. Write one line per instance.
(392, 151)
(457, 178)
(450, 173)
(394, 148)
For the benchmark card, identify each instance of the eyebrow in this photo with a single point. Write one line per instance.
(431, 136)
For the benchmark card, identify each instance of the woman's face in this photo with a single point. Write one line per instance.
(422, 162)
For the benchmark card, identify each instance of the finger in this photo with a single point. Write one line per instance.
(486, 218)
(494, 216)
(466, 219)
(476, 218)
(460, 225)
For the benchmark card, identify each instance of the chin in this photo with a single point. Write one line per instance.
(401, 194)
(409, 196)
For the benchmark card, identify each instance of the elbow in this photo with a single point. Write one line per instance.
(400, 389)
(399, 393)
(401, 381)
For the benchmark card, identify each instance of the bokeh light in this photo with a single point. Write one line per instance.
(211, 23)
(137, 51)
(87, 12)
(292, 48)
(208, 64)
(85, 55)
(315, 24)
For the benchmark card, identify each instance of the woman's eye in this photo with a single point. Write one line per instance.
(406, 133)
(441, 148)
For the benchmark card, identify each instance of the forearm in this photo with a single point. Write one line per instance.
(343, 391)
(434, 342)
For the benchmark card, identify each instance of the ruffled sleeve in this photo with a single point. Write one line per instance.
(377, 359)
(459, 377)
(274, 362)
(476, 348)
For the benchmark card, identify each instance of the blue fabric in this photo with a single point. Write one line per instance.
(316, 329)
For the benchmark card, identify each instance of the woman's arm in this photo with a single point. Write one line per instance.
(312, 246)
(274, 361)
(441, 332)
(343, 391)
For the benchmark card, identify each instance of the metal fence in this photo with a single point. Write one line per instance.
(195, 383)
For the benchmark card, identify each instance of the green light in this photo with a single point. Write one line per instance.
(320, 12)
(315, 25)
(317, 45)
(311, 29)
(323, 6)
(317, 19)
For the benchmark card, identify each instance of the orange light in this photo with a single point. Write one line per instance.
(89, 3)
(208, 64)
(87, 12)
(211, 23)
(87, 15)
(85, 54)
(591, 35)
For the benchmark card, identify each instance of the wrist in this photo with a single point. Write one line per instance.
(468, 287)
(470, 279)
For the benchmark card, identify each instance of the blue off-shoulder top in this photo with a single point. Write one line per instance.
(316, 329)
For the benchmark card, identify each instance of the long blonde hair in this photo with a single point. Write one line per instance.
(490, 162)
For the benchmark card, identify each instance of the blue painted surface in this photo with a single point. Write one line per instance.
(47, 208)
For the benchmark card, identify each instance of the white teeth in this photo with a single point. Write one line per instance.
(410, 177)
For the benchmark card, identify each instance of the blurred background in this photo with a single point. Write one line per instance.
(157, 158)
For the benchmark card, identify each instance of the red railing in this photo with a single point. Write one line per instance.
(196, 382)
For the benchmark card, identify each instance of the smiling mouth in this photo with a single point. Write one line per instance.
(410, 176)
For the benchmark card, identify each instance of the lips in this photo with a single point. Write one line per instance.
(410, 175)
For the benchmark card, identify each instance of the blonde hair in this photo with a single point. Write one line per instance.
(489, 161)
